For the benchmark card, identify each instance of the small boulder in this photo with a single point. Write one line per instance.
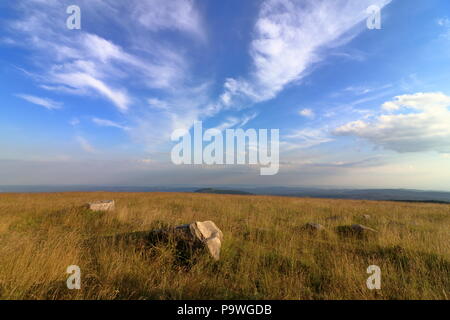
(105, 205)
(187, 238)
(209, 234)
(192, 236)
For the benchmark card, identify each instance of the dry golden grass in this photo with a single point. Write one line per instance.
(265, 254)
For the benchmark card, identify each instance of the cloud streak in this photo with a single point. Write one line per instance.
(43, 102)
(108, 123)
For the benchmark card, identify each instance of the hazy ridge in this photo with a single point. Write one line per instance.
(331, 193)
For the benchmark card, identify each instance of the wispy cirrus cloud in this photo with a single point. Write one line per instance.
(305, 138)
(84, 62)
(181, 15)
(84, 82)
(43, 102)
(292, 36)
(121, 59)
(109, 123)
(232, 122)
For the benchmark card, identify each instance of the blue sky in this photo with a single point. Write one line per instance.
(355, 107)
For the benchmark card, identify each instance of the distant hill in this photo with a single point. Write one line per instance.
(222, 191)
(407, 195)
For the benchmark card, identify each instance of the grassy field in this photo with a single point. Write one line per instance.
(265, 254)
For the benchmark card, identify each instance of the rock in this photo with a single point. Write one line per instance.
(200, 234)
(209, 234)
(187, 238)
(105, 205)
(313, 227)
(356, 230)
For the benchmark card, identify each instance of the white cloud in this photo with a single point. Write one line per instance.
(160, 68)
(43, 102)
(290, 37)
(231, 122)
(445, 23)
(121, 69)
(88, 64)
(421, 123)
(247, 118)
(74, 122)
(364, 90)
(85, 145)
(225, 98)
(108, 123)
(82, 81)
(305, 138)
(180, 15)
(158, 103)
(308, 113)
(358, 90)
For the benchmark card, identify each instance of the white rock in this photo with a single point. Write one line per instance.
(199, 234)
(208, 233)
(104, 205)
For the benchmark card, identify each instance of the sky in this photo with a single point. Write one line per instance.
(355, 107)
